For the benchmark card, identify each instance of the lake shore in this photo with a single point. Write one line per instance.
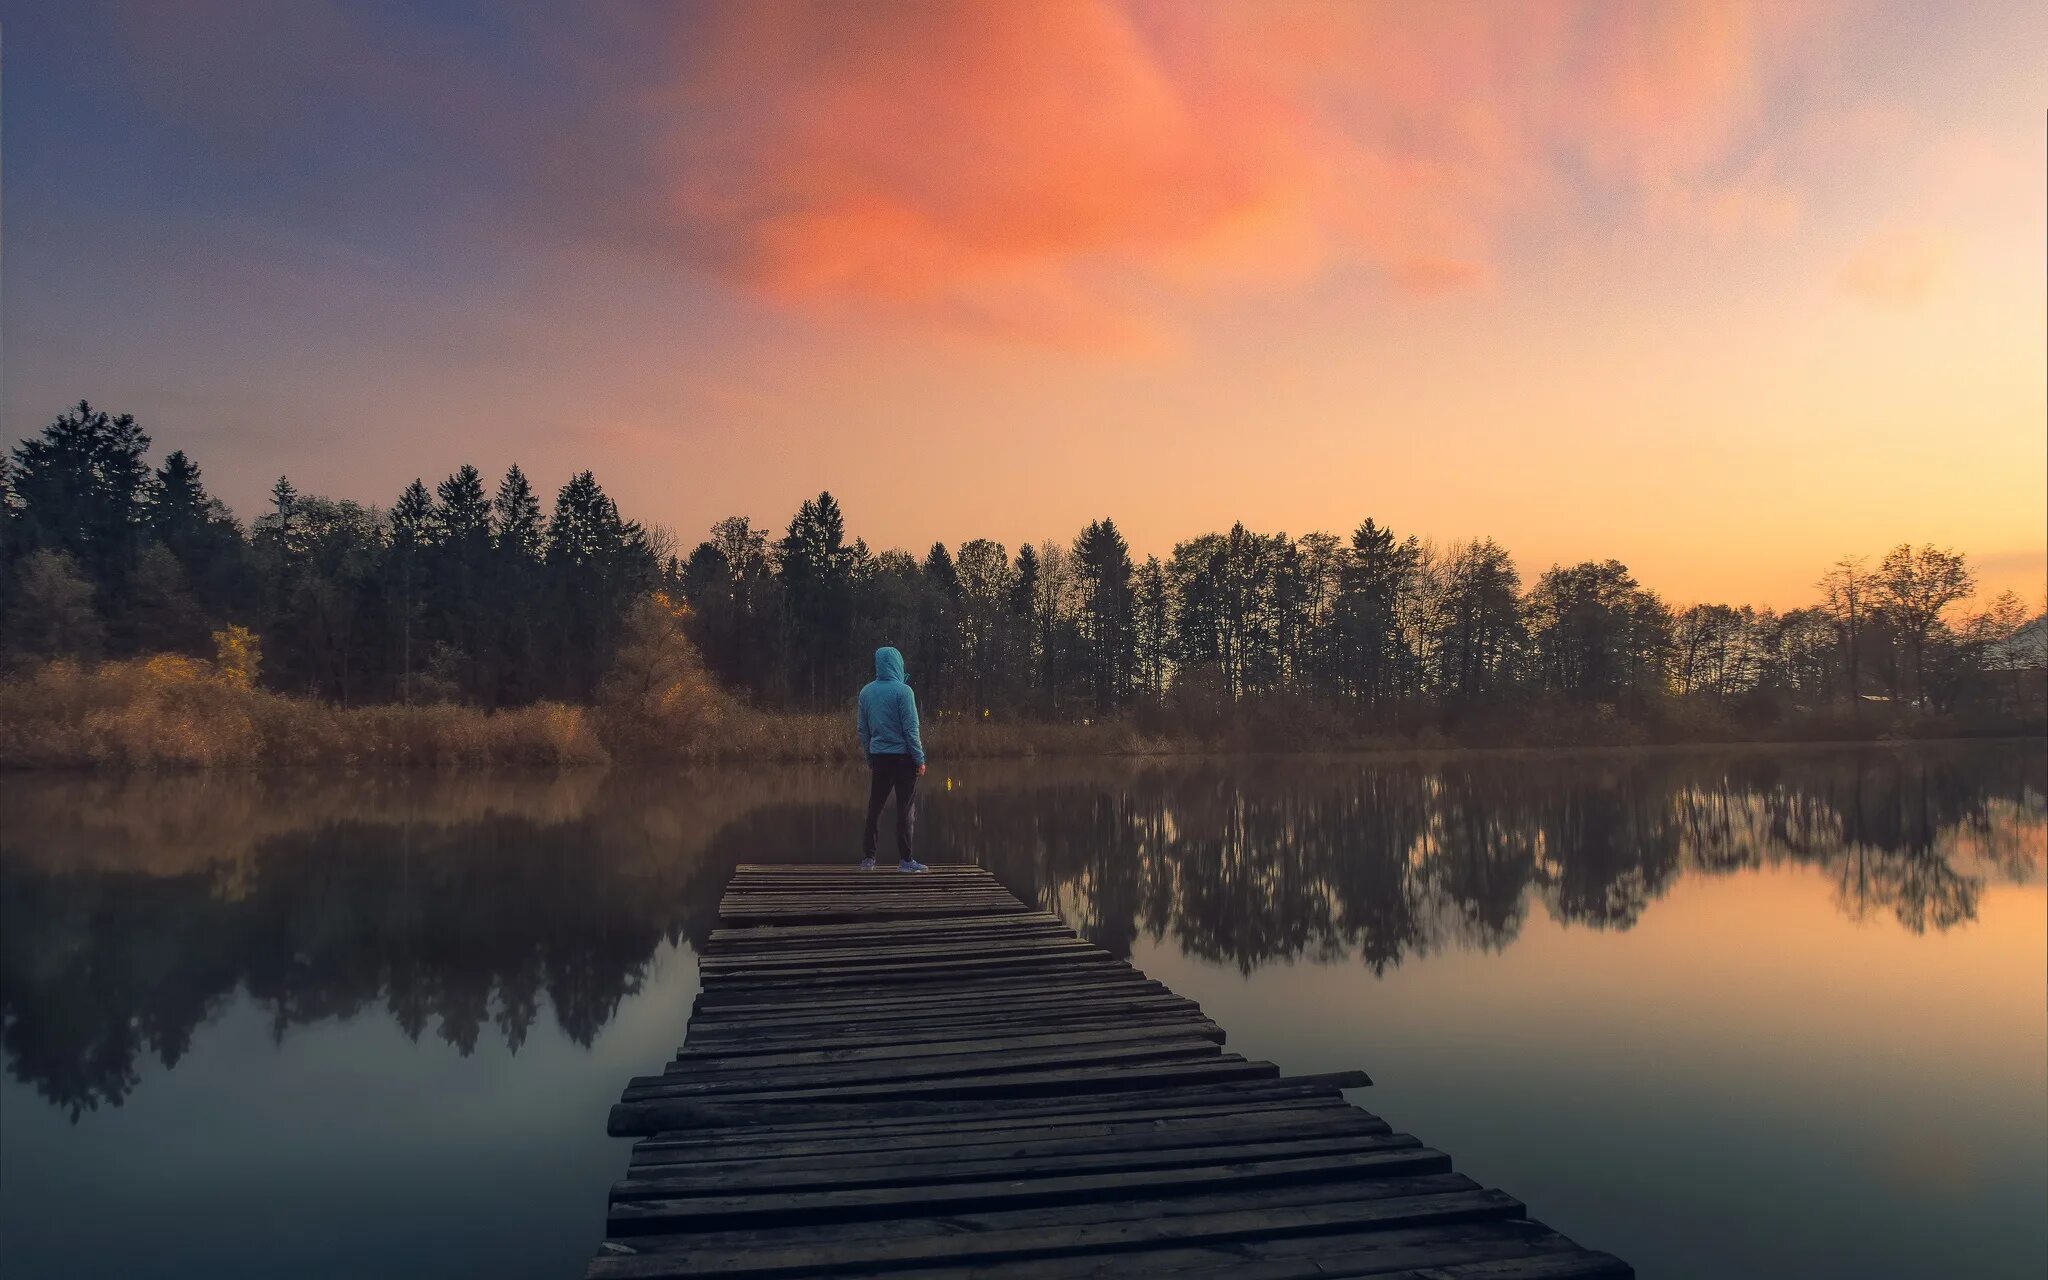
(180, 714)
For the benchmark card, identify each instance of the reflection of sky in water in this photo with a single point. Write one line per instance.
(345, 1150)
(1744, 1083)
(1746, 1013)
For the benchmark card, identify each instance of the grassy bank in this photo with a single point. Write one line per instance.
(181, 713)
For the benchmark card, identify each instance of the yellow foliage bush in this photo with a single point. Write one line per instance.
(237, 655)
(171, 712)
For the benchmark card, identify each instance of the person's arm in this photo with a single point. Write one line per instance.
(910, 726)
(861, 727)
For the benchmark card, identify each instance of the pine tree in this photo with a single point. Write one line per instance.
(518, 542)
(597, 565)
(816, 569)
(517, 529)
(177, 502)
(1372, 583)
(412, 532)
(1020, 626)
(938, 633)
(284, 503)
(1102, 561)
(459, 579)
(463, 518)
(81, 487)
(199, 533)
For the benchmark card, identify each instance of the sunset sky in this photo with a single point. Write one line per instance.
(1721, 291)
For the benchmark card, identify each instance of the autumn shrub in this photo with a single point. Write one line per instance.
(156, 712)
(171, 712)
(658, 702)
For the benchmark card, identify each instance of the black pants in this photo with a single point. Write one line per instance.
(896, 773)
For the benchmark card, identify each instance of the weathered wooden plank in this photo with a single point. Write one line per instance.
(779, 935)
(803, 868)
(1091, 974)
(869, 887)
(1443, 1207)
(1353, 1251)
(1168, 1087)
(1035, 1140)
(779, 1123)
(741, 1040)
(1308, 1256)
(705, 1061)
(939, 970)
(631, 1217)
(1570, 1262)
(1393, 1252)
(848, 1075)
(879, 906)
(863, 884)
(854, 1065)
(879, 889)
(879, 878)
(861, 961)
(1111, 975)
(885, 1002)
(770, 1035)
(842, 865)
(735, 1176)
(798, 872)
(914, 1036)
(878, 953)
(776, 1123)
(852, 880)
(1234, 1200)
(820, 951)
(1107, 982)
(1044, 1082)
(823, 914)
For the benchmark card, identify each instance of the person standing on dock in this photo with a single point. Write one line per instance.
(887, 725)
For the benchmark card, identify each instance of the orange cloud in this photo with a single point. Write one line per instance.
(1901, 267)
(1045, 171)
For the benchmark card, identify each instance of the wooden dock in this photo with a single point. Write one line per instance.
(919, 1075)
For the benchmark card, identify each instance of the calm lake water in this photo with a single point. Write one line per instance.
(1759, 1013)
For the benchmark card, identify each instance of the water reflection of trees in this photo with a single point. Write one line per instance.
(1276, 860)
(132, 912)
(484, 908)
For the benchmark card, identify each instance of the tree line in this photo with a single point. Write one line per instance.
(462, 592)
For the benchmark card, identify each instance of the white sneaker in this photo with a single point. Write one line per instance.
(867, 864)
(910, 864)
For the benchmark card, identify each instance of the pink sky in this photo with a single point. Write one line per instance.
(1723, 291)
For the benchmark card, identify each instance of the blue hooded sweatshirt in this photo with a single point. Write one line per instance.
(888, 711)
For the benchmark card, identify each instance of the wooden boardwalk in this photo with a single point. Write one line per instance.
(908, 1075)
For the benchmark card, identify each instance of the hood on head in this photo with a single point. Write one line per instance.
(888, 663)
